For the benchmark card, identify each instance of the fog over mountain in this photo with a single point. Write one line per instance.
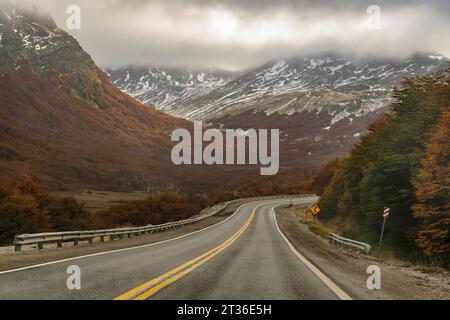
(335, 85)
(239, 34)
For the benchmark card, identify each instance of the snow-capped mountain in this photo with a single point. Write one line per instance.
(167, 88)
(339, 86)
(30, 39)
(62, 120)
(322, 105)
(33, 36)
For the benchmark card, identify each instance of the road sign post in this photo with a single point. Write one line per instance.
(386, 213)
(315, 211)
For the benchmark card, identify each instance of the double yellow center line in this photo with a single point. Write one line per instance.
(150, 288)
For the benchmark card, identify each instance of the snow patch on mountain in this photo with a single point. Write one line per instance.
(166, 87)
(339, 86)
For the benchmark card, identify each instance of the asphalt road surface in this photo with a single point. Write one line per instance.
(244, 257)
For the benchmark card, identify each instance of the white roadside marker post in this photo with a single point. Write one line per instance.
(386, 213)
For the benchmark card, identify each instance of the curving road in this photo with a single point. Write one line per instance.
(243, 258)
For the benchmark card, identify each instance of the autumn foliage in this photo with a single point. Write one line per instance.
(161, 207)
(323, 179)
(403, 164)
(26, 208)
(432, 192)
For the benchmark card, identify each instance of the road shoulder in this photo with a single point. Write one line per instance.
(348, 269)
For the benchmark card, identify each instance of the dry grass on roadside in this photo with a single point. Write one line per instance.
(323, 230)
(317, 227)
(100, 200)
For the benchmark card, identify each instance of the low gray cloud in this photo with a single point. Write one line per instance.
(236, 34)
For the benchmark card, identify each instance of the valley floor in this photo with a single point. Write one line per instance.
(100, 200)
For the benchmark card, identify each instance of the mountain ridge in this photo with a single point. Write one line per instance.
(340, 86)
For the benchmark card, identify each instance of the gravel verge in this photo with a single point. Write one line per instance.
(348, 269)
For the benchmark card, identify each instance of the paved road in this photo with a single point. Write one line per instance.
(245, 257)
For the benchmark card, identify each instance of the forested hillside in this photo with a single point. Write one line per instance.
(403, 163)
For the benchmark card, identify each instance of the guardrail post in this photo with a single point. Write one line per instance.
(18, 248)
(59, 244)
(75, 242)
(40, 246)
(90, 240)
(102, 238)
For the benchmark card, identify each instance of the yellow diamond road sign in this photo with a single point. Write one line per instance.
(315, 209)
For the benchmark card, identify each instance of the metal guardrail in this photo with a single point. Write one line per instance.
(337, 240)
(76, 236)
(302, 221)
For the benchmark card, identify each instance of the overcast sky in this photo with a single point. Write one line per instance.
(234, 34)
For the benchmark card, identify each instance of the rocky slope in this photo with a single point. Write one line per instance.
(62, 120)
(167, 88)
